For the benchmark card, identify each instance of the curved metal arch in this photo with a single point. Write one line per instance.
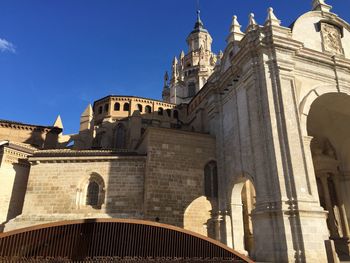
(86, 240)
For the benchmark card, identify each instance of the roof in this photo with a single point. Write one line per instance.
(26, 124)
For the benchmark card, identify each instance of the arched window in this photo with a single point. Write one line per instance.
(160, 111)
(139, 107)
(168, 111)
(148, 109)
(106, 107)
(100, 110)
(126, 106)
(120, 136)
(211, 180)
(92, 193)
(117, 106)
(176, 114)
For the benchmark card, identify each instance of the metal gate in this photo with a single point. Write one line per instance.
(111, 240)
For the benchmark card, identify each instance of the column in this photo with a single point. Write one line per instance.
(344, 219)
(238, 228)
(331, 224)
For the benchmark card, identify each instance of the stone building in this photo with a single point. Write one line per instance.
(250, 147)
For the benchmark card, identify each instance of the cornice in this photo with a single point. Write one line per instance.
(69, 156)
(29, 127)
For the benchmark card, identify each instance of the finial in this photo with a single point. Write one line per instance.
(235, 26)
(58, 123)
(320, 5)
(235, 31)
(252, 23)
(182, 54)
(166, 79)
(271, 18)
(199, 26)
(175, 60)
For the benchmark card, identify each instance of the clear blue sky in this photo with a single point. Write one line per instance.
(58, 56)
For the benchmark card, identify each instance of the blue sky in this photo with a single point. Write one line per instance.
(56, 57)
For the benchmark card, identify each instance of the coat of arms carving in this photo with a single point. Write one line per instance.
(331, 36)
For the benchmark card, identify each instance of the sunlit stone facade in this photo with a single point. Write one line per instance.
(257, 156)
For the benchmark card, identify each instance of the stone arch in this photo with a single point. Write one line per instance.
(327, 117)
(199, 215)
(305, 105)
(242, 203)
(196, 216)
(83, 191)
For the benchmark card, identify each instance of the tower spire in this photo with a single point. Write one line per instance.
(199, 26)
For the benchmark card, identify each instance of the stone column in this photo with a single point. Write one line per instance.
(238, 228)
(331, 217)
(344, 219)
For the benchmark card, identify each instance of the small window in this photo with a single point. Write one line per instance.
(100, 110)
(148, 109)
(168, 111)
(160, 111)
(106, 107)
(139, 107)
(211, 180)
(126, 107)
(176, 114)
(92, 193)
(117, 106)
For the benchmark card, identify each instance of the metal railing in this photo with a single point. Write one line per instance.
(111, 240)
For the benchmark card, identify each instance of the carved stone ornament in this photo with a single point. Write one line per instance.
(331, 36)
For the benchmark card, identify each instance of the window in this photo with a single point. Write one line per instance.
(211, 180)
(139, 107)
(126, 107)
(120, 136)
(176, 114)
(106, 107)
(168, 111)
(191, 89)
(117, 106)
(160, 111)
(148, 109)
(100, 110)
(92, 193)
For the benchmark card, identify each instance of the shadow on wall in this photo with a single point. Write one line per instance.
(19, 189)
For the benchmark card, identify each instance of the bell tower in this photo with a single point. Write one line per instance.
(191, 71)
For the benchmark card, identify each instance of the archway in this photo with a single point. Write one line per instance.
(242, 205)
(328, 123)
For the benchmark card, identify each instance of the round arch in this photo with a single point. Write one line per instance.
(305, 105)
(325, 118)
(82, 190)
(242, 202)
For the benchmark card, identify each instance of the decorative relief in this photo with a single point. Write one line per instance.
(331, 36)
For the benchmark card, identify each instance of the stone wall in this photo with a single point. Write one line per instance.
(175, 176)
(13, 182)
(38, 136)
(54, 187)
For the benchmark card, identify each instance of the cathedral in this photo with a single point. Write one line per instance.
(250, 147)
